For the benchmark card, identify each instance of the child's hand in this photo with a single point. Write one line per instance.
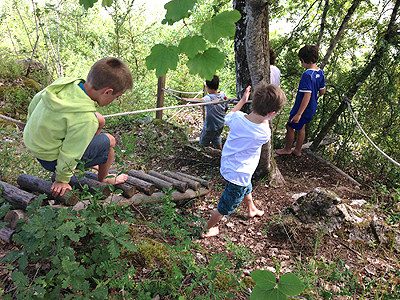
(59, 188)
(246, 94)
(295, 119)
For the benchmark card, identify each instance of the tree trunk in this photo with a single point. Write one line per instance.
(381, 47)
(13, 216)
(252, 66)
(195, 185)
(127, 189)
(143, 186)
(159, 183)
(179, 185)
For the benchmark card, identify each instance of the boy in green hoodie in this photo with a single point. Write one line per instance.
(62, 123)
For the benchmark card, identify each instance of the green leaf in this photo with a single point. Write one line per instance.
(177, 10)
(207, 63)
(106, 3)
(222, 25)
(290, 284)
(87, 3)
(20, 279)
(162, 58)
(259, 293)
(192, 45)
(114, 249)
(264, 279)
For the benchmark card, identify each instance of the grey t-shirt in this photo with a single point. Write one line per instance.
(215, 116)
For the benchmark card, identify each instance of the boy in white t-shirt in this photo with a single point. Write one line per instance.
(242, 149)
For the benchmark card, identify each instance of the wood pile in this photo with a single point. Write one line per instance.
(139, 188)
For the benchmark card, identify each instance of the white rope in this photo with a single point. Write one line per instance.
(162, 108)
(373, 144)
(12, 120)
(180, 92)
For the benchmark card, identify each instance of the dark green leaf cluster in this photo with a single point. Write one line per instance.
(203, 60)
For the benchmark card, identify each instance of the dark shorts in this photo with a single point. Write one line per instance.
(231, 197)
(298, 126)
(95, 154)
(212, 137)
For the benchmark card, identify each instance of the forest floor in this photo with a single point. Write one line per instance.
(253, 243)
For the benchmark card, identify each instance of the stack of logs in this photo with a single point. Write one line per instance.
(140, 187)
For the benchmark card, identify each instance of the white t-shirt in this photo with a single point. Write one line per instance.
(275, 75)
(242, 149)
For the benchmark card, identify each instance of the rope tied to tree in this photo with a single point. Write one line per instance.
(347, 101)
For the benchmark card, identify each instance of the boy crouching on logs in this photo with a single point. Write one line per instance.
(63, 124)
(242, 149)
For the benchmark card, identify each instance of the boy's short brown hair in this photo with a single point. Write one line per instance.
(110, 72)
(267, 98)
(309, 54)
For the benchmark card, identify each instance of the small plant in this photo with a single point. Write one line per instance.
(267, 287)
(242, 254)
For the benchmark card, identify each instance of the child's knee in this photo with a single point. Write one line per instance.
(111, 138)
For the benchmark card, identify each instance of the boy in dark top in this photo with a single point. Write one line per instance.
(311, 83)
(215, 114)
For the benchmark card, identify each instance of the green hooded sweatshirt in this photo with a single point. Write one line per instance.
(61, 124)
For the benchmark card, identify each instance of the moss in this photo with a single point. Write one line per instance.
(150, 252)
(225, 282)
(249, 282)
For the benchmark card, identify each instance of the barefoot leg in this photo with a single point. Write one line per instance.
(288, 143)
(301, 134)
(105, 168)
(211, 229)
(253, 210)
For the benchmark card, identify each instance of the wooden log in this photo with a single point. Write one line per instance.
(159, 183)
(194, 185)
(34, 184)
(143, 186)
(13, 216)
(92, 184)
(202, 181)
(15, 196)
(6, 233)
(127, 189)
(177, 196)
(180, 186)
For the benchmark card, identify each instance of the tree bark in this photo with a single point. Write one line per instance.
(6, 233)
(342, 27)
(143, 186)
(179, 185)
(323, 20)
(13, 216)
(15, 196)
(35, 184)
(195, 185)
(202, 181)
(159, 183)
(127, 189)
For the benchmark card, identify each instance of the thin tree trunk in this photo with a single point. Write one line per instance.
(323, 20)
(381, 48)
(342, 27)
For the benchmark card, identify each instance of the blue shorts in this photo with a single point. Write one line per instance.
(231, 197)
(95, 154)
(298, 126)
(213, 137)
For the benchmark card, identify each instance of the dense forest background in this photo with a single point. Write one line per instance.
(359, 51)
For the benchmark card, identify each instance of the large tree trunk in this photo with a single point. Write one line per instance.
(252, 66)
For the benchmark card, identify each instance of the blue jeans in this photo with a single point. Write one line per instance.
(232, 197)
(213, 137)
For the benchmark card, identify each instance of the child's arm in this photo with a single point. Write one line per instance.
(242, 101)
(192, 99)
(322, 92)
(302, 108)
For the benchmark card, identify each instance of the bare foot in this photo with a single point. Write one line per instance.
(213, 231)
(256, 212)
(283, 151)
(113, 179)
(296, 153)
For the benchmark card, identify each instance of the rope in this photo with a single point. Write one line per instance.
(373, 144)
(180, 92)
(12, 120)
(163, 108)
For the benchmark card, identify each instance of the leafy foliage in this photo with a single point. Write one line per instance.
(222, 25)
(177, 10)
(206, 63)
(267, 287)
(162, 58)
